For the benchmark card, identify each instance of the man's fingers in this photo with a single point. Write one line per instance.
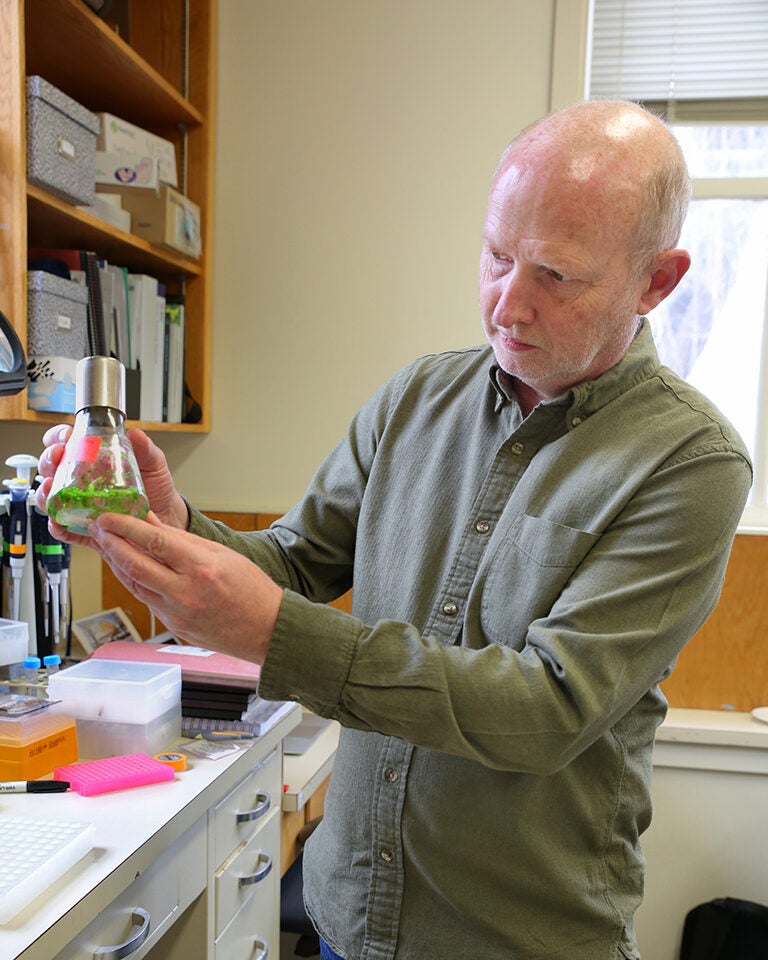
(58, 434)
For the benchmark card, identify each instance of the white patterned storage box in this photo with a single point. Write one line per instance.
(61, 143)
(57, 337)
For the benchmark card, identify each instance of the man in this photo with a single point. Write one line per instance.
(533, 530)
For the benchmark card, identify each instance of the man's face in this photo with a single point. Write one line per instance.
(558, 295)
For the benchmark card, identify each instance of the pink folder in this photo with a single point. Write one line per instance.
(197, 664)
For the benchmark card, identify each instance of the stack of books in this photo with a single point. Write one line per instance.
(208, 706)
(218, 692)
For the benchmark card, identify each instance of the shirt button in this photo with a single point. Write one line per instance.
(386, 855)
(482, 526)
(391, 775)
(576, 421)
(450, 609)
(517, 448)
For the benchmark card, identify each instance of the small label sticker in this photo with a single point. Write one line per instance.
(63, 322)
(88, 449)
(67, 149)
(187, 651)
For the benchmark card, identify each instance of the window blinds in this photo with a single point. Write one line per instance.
(692, 59)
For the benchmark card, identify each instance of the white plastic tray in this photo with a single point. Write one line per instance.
(36, 853)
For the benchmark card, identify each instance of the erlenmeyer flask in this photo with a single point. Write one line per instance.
(98, 472)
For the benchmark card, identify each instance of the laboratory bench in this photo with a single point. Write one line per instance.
(181, 843)
(183, 869)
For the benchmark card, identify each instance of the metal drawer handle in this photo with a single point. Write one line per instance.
(140, 919)
(263, 953)
(249, 878)
(244, 815)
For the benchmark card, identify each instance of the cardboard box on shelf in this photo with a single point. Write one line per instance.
(163, 216)
(120, 136)
(127, 170)
(112, 213)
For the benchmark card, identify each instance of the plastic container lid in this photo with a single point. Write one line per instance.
(129, 692)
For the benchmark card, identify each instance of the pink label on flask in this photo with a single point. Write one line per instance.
(88, 449)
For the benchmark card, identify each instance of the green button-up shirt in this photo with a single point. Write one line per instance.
(521, 586)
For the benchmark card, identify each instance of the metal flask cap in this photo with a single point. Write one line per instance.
(100, 382)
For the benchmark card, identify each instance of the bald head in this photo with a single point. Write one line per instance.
(625, 156)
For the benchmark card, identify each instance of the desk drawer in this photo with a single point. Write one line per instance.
(239, 815)
(254, 932)
(249, 880)
(141, 914)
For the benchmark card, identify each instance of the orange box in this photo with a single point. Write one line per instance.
(32, 745)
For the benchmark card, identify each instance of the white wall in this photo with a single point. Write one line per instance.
(354, 150)
(355, 145)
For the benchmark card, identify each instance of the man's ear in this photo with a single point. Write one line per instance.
(667, 271)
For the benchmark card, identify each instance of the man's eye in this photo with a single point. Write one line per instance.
(499, 257)
(555, 275)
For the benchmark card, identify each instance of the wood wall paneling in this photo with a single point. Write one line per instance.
(725, 665)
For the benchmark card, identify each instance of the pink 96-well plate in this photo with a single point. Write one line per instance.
(113, 773)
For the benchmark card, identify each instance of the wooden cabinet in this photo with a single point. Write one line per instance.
(164, 81)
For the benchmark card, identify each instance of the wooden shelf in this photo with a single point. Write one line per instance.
(163, 81)
(55, 223)
(111, 77)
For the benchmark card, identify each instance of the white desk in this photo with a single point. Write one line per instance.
(159, 833)
(303, 773)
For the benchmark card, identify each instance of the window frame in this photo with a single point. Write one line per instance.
(572, 26)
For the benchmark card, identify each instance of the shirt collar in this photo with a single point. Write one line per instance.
(638, 364)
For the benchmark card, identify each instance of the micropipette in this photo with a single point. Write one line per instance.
(49, 553)
(19, 488)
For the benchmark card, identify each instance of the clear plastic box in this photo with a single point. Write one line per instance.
(116, 690)
(14, 640)
(98, 739)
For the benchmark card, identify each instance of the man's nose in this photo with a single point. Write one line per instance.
(515, 303)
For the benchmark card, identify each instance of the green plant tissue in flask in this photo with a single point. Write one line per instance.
(98, 472)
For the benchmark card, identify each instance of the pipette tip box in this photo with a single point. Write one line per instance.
(36, 852)
(32, 744)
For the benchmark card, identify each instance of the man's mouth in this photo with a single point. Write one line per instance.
(512, 343)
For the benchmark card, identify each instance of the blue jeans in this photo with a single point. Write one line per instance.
(326, 953)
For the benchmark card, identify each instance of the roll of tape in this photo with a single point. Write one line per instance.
(176, 760)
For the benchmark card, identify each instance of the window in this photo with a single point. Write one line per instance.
(704, 67)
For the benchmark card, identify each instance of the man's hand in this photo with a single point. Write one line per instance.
(163, 497)
(203, 592)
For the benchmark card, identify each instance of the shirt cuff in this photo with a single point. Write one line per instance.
(310, 654)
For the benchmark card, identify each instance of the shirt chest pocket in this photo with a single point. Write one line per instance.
(526, 574)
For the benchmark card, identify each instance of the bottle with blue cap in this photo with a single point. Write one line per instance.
(32, 675)
(51, 663)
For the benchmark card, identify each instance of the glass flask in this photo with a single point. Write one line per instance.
(98, 472)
